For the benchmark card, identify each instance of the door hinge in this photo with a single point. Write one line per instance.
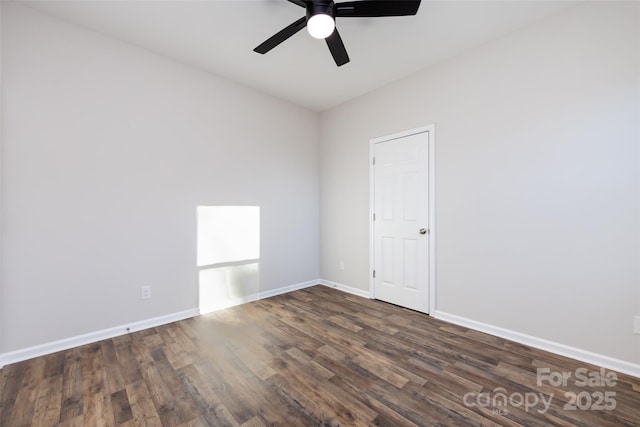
(374, 274)
(374, 161)
(374, 216)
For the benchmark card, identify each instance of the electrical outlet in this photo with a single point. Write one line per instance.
(145, 292)
(636, 325)
(341, 265)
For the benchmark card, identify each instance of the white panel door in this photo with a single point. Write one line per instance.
(401, 221)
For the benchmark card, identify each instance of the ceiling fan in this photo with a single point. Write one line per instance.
(320, 21)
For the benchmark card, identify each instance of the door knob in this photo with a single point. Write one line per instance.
(423, 231)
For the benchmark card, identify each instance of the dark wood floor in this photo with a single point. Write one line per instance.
(307, 358)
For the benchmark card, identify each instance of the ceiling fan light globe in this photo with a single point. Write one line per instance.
(321, 26)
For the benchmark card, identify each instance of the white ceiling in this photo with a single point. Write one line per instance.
(219, 36)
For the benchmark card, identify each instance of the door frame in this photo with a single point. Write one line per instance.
(430, 131)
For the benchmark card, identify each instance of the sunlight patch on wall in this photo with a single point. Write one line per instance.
(224, 287)
(228, 255)
(228, 234)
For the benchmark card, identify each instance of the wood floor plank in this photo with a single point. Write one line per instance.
(411, 407)
(349, 412)
(389, 417)
(250, 389)
(46, 411)
(129, 367)
(72, 393)
(197, 422)
(97, 410)
(12, 380)
(344, 322)
(121, 407)
(54, 365)
(313, 357)
(143, 409)
(162, 396)
(113, 372)
(22, 411)
(254, 422)
(209, 404)
(72, 422)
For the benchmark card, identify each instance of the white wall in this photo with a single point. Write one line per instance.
(537, 160)
(108, 150)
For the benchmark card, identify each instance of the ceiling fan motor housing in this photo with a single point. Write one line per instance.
(320, 7)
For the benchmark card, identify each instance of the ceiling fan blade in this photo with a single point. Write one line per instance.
(375, 8)
(337, 49)
(300, 3)
(281, 36)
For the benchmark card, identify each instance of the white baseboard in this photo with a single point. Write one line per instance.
(345, 288)
(618, 365)
(67, 343)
